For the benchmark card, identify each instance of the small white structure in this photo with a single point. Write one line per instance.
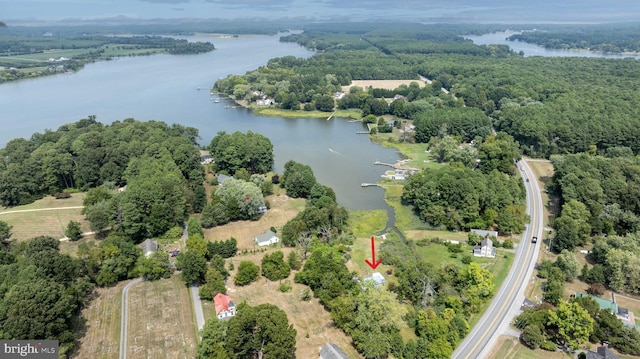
(485, 249)
(149, 246)
(267, 238)
(225, 308)
(376, 278)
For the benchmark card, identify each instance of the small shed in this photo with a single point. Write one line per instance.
(267, 238)
(149, 246)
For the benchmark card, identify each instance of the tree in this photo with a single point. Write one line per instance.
(568, 263)
(99, 216)
(193, 266)
(214, 284)
(260, 332)
(298, 179)
(326, 274)
(499, 152)
(197, 244)
(214, 334)
(5, 232)
(572, 227)
(200, 199)
(73, 231)
(194, 228)
(245, 198)
(251, 151)
(532, 336)
(573, 323)
(294, 261)
(214, 214)
(274, 267)
(155, 266)
(247, 272)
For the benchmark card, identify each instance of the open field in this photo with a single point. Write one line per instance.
(416, 153)
(381, 84)
(278, 112)
(161, 322)
(307, 317)
(101, 332)
(283, 208)
(45, 217)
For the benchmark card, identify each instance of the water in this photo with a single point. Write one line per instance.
(165, 88)
(500, 38)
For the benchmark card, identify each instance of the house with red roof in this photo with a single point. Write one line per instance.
(225, 308)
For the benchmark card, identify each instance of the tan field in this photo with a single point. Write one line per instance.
(100, 337)
(307, 317)
(45, 217)
(283, 208)
(380, 84)
(161, 322)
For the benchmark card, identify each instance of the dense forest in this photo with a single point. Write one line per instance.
(87, 154)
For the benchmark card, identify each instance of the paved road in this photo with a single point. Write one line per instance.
(506, 303)
(124, 318)
(195, 296)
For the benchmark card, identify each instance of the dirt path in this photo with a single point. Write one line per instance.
(41, 209)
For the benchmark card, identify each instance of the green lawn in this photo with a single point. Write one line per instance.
(277, 112)
(365, 223)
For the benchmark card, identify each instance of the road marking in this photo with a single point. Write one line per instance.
(535, 219)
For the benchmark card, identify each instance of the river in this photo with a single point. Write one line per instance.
(500, 38)
(165, 88)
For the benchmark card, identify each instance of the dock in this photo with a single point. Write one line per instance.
(369, 185)
(362, 132)
(384, 164)
(328, 118)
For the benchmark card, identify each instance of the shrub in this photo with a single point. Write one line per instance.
(305, 295)
(294, 261)
(596, 289)
(247, 272)
(466, 259)
(274, 267)
(549, 345)
(508, 244)
(285, 286)
(62, 195)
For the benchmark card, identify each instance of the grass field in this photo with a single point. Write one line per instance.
(45, 217)
(510, 348)
(161, 322)
(380, 84)
(283, 208)
(277, 112)
(307, 317)
(100, 337)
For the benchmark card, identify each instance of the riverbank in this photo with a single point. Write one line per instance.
(272, 111)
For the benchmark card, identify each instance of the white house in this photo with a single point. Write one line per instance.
(376, 278)
(225, 308)
(485, 249)
(267, 238)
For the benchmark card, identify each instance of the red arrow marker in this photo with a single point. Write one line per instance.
(373, 264)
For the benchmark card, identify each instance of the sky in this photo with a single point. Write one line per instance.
(467, 11)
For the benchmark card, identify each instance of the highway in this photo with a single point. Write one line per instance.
(506, 303)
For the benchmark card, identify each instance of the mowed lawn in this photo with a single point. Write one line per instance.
(283, 208)
(312, 322)
(100, 335)
(161, 321)
(45, 217)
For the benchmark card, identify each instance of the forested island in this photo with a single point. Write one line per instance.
(464, 117)
(605, 38)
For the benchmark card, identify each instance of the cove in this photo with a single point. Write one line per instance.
(175, 89)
